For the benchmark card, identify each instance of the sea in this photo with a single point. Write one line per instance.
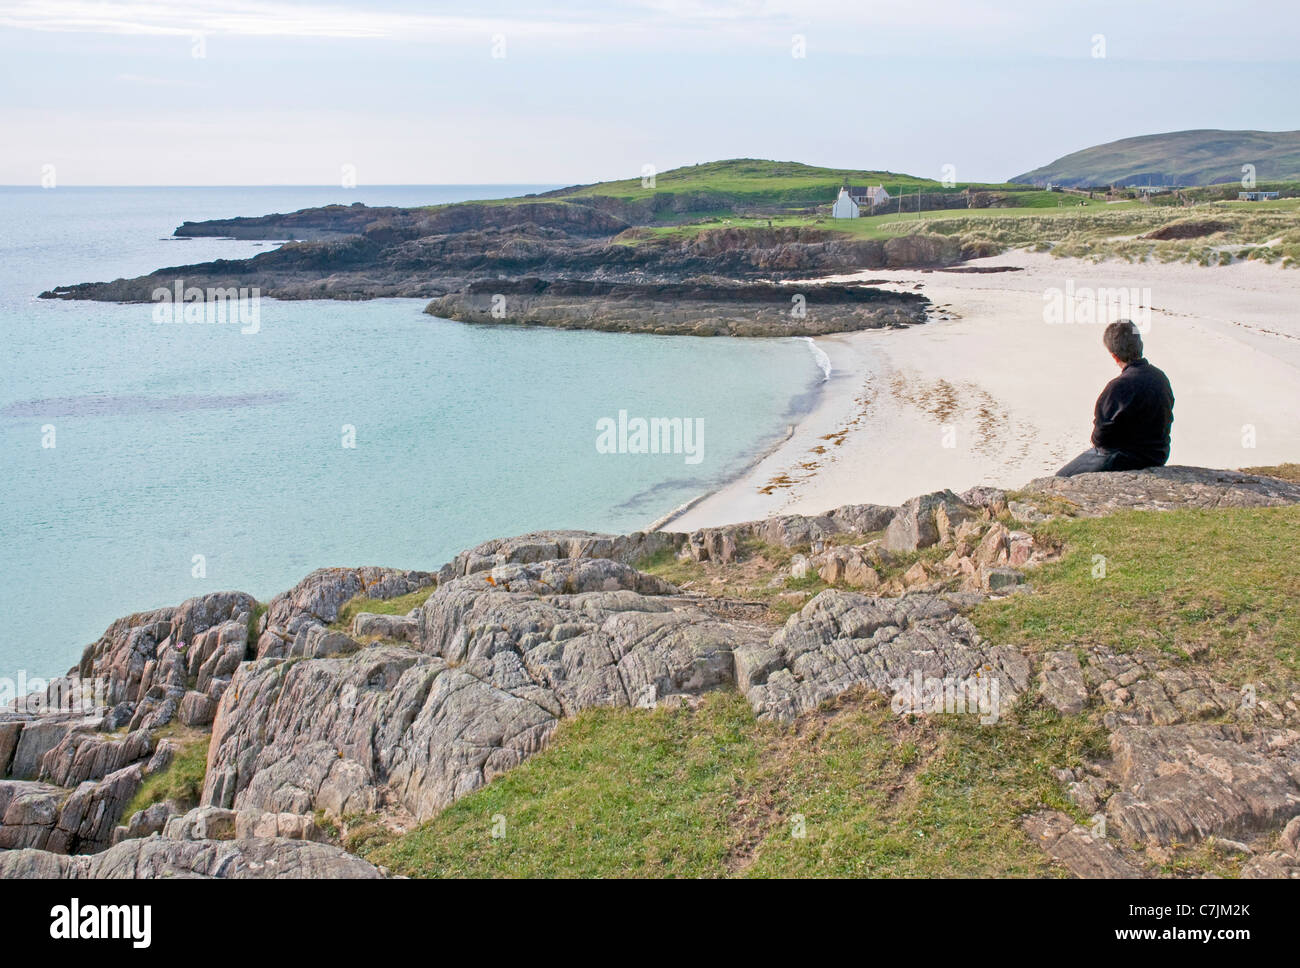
(146, 459)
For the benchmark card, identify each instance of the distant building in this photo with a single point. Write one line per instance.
(853, 198)
(1153, 189)
(845, 206)
(1255, 196)
(869, 196)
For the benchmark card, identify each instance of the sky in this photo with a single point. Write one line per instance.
(267, 92)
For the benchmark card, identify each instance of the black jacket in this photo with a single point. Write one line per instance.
(1134, 413)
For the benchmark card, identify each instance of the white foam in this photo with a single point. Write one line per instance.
(819, 356)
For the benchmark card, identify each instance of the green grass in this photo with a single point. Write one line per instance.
(181, 781)
(711, 792)
(895, 221)
(1178, 581)
(1051, 222)
(380, 606)
(756, 194)
(758, 182)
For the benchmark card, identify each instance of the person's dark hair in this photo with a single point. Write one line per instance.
(1123, 339)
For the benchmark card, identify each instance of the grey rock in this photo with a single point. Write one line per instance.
(83, 755)
(1276, 865)
(841, 640)
(293, 826)
(1077, 849)
(9, 732)
(1001, 579)
(196, 709)
(254, 858)
(141, 650)
(1061, 682)
(30, 863)
(202, 823)
(90, 814)
(991, 499)
(553, 545)
(1291, 836)
(397, 628)
(28, 812)
(914, 526)
(506, 653)
(316, 600)
(1140, 689)
(39, 736)
(1166, 488)
(151, 820)
(1183, 783)
(317, 642)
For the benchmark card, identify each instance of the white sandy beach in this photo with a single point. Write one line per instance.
(998, 395)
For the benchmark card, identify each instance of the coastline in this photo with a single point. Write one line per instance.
(988, 392)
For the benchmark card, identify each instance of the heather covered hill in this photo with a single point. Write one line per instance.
(1200, 157)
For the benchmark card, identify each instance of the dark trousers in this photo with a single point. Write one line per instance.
(1097, 459)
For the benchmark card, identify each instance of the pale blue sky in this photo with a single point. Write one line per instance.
(111, 93)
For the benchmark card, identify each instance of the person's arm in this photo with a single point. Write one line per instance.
(1105, 418)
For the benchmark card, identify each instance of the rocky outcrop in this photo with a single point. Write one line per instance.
(551, 545)
(1164, 489)
(389, 224)
(1085, 853)
(47, 816)
(408, 713)
(1192, 758)
(355, 252)
(503, 654)
(302, 612)
(690, 309)
(1183, 783)
(926, 520)
(254, 858)
(843, 640)
(73, 772)
(400, 628)
(1061, 682)
(144, 658)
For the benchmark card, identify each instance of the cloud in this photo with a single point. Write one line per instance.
(255, 18)
(153, 81)
(1185, 30)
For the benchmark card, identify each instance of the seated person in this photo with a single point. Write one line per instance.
(1131, 421)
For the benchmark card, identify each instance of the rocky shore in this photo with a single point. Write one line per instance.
(310, 722)
(696, 308)
(614, 269)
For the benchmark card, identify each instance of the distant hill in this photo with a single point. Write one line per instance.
(748, 182)
(1203, 157)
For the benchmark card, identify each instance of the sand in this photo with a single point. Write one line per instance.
(996, 394)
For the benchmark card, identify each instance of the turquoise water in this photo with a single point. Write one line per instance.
(172, 441)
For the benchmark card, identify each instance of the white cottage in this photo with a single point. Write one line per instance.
(854, 198)
(845, 206)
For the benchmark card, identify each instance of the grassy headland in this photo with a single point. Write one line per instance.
(854, 790)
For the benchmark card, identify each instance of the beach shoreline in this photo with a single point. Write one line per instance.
(989, 391)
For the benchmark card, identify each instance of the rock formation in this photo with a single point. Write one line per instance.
(397, 716)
